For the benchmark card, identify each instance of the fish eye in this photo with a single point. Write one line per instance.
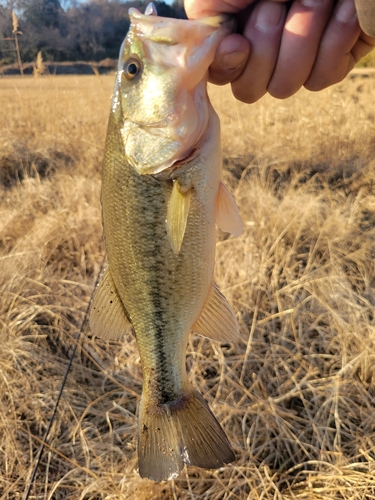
(132, 67)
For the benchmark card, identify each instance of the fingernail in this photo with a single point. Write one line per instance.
(346, 11)
(268, 15)
(233, 61)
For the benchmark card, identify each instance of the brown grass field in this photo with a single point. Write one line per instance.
(296, 395)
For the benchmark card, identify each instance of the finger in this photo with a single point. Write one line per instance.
(339, 48)
(364, 45)
(303, 29)
(230, 59)
(200, 8)
(263, 30)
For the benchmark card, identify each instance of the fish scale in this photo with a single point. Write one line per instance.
(141, 256)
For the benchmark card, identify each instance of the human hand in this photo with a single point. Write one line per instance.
(284, 46)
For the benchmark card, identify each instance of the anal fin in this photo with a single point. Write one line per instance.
(177, 215)
(108, 319)
(227, 215)
(181, 431)
(217, 320)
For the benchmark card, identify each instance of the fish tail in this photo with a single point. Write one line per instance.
(182, 431)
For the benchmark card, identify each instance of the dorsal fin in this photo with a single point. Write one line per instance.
(108, 317)
(217, 320)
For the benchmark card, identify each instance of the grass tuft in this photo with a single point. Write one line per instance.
(295, 395)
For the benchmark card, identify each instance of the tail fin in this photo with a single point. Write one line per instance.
(181, 431)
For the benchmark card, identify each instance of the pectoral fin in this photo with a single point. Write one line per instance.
(108, 319)
(227, 216)
(177, 215)
(217, 320)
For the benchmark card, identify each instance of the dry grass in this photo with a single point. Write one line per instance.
(296, 395)
(367, 61)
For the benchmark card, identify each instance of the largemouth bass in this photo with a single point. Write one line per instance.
(161, 196)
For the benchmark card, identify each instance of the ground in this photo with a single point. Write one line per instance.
(295, 395)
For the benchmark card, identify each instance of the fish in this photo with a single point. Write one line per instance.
(161, 197)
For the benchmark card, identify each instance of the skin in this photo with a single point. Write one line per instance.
(310, 43)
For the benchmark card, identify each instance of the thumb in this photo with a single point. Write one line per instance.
(230, 59)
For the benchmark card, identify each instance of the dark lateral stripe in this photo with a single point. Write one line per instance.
(162, 371)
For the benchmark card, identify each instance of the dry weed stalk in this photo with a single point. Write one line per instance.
(296, 395)
(15, 34)
(14, 22)
(39, 67)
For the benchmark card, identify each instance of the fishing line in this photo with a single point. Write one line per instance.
(78, 336)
